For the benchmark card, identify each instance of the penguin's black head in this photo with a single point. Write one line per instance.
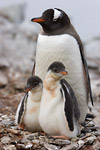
(53, 20)
(33, 83)
(58, 69)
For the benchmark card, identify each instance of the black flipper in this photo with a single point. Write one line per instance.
(71, 106)
(21, 109)
(89, 91)
(87, 76)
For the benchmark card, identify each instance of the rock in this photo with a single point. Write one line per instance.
(92, 50)
(10, 147)
(14, 13)
(37, 142)
(3, 64)
(17, 47)
(97, 133)
(72, 146)
(13, 131)
(50, 146)
(7, 123)
(30, 136)
(84, 137)
(80, 144)
(90, 140)
(98, 138)
(20, 146)
(5, 139)
(3, 79)
(59, 141)
(96, 88)
(96, 146)
(29, 30)
(29, 146)
(74, 139)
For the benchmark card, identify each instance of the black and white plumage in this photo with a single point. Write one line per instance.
(59, 41)
(59, 111)
(71, 106)
(21, 109)
(28, 109)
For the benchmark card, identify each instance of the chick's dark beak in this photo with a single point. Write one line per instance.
(38, 20)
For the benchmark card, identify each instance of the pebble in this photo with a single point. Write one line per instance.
(97, 133)
(59, 141)
(3, 79)
(29, 146)
(72, 146)
(84, 137)
(20, 146)
(98, 138)
(7, 122)
(50, 146)
(96, 146)
(74, 139)
(36, 141)
(80, 144)
(10, 147)
(31, 136)
(5, 139)
(13, 131)
(90, 140)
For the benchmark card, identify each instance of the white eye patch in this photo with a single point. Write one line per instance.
(57, 14)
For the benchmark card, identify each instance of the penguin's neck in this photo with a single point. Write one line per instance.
(35, 95)
(50, 82)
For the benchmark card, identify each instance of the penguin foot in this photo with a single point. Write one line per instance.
(90, 116)
(21, 126)
(61, 137)
(42, 133)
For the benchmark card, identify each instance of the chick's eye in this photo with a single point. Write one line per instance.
(35, 83)
(55, 70)
(55, 19)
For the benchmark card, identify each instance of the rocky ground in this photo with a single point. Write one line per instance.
(17, 55)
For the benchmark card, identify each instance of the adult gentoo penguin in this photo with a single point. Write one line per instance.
(28, 110)
(59, 41)
(59, 111)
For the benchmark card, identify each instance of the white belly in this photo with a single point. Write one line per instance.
(52, 118)
(63, 48)
(31, 117)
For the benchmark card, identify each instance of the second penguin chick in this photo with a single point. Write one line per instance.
(59, 111)
(28, 110)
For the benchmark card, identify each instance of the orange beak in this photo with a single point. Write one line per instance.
(38, 20)
(27, 89)
(64, 72)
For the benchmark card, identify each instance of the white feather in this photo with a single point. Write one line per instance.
(63, 48)
(52, 117)
(56, 14)
(31, 114)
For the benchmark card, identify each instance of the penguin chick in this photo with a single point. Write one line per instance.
(59, 111)
(28, 109)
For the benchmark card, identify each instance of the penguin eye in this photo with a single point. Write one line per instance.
(35, 83)
(55, 70)
(55, 19)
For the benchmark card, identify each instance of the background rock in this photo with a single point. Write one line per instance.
(18, 43)
(92, 52)
(14, 13)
